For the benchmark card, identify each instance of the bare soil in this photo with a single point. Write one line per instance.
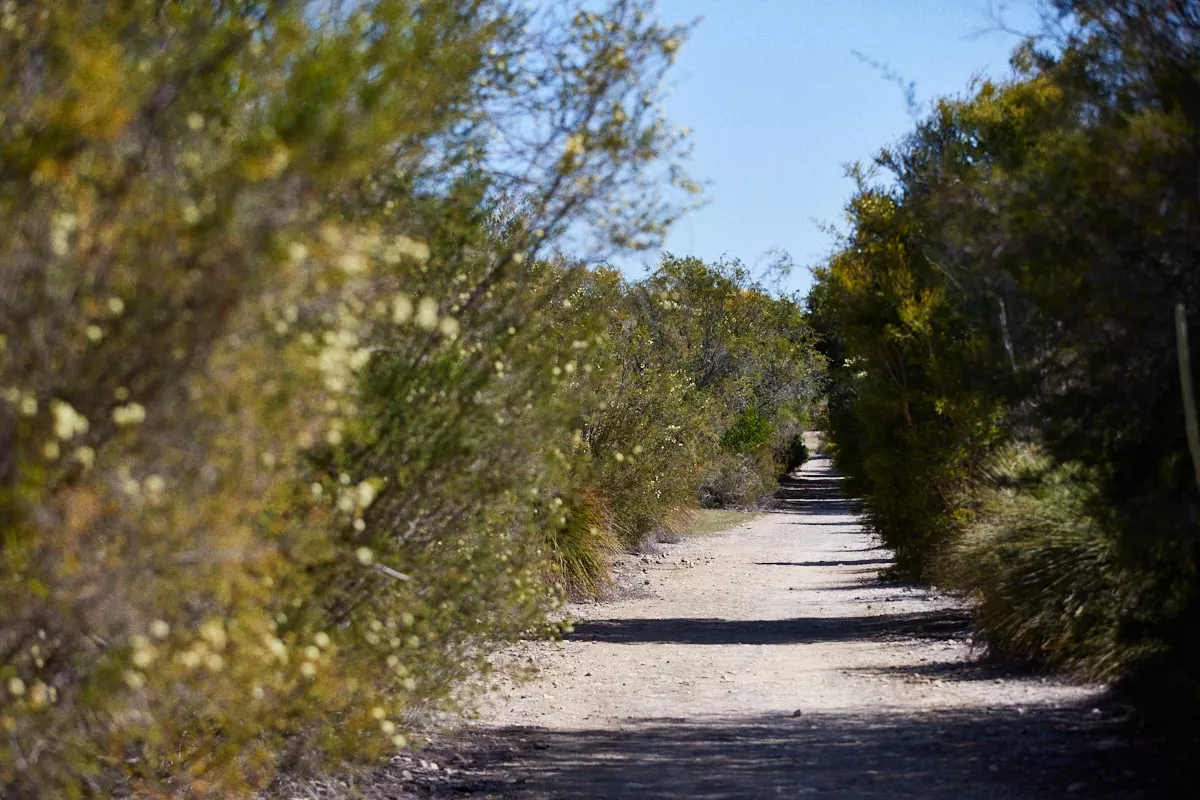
(768, 661)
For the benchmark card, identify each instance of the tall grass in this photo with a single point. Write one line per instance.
(582, 547)
(1044, 570)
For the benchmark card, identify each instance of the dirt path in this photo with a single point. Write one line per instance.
(768, 662)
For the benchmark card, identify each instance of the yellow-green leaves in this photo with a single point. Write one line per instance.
(251, 247)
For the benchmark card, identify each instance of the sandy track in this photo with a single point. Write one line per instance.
(779, 615)
(768, 661)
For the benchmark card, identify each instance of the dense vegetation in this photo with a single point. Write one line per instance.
(1001, 328)
(304, 410)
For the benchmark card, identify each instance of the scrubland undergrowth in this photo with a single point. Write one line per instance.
(311, 395)
(1000, 324)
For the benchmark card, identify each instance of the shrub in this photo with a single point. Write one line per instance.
(1043, 569)
(582, 546)
(266, 439)
(1015, 281)
(749, 432)
(793, 453)
(703, 374)
(737, 481)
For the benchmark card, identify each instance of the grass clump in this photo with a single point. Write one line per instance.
(582, 546)
(1043, 569)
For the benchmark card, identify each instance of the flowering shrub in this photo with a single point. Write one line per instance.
(687, 355)
(274, 401)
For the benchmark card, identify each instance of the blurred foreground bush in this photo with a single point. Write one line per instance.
(276, 410)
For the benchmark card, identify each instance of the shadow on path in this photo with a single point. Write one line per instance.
(974, 754)
(939, 624)
(817, 492)
(841, 563)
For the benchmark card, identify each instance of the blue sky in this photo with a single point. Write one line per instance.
(779, 103)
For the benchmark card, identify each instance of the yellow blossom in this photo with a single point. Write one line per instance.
(417, 251)
(189, 659)
(61, 228)
(427, 313)
(277, 648)
(353, 263)
(68, 422)
(39, 695)
(85, 456)
(574, 146)
(130, 414)
(190, 212)
(365, 494)
(449, 327)
(213, 632)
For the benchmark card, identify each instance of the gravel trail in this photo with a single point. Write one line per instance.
(768, 661)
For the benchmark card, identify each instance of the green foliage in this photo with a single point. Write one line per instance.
(1016, 282)
(749, 432)
(793, 454)
(1044, 569)
(582, 547)
(683, 356)
(909, 422)
(272, 337)
(300, 418)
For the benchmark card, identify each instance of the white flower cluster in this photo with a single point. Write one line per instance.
(68, 423)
